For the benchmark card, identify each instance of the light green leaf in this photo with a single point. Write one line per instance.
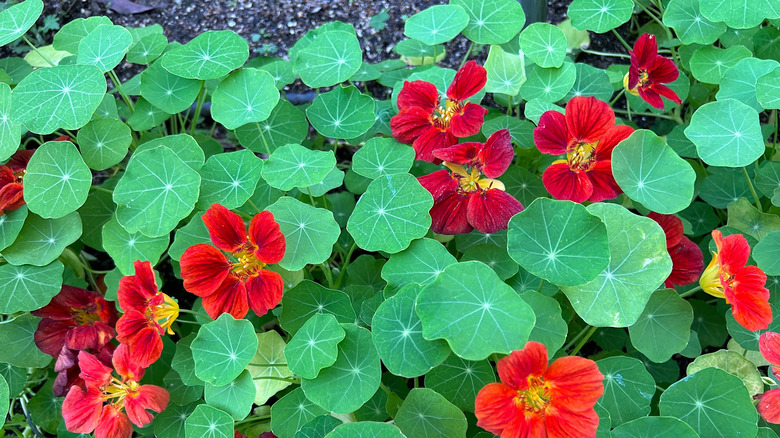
(235, 398)
(269, 361)
(709, 64)
(104, 143)
(664, 327)
(71, 34)
(690, 25)
(366, 428)
(307, 299)
(505, 72)
(382, 156)
(147, 49)
(628, 388)
(591, 81)
(125, 247)
(285, 125)
(766, 254)
(654, 427)
(740, 14)
(57, 180)
(291, 412)
(17, 338)
(599, 15)
(333, 57)
(210, 55)
(549, 84)
(11, 223)
(740, 82)
(293, 166)
(544, 44)
(425, 413)
(28, 287)
(733, 363)
(223, 348)
(743, 216)
(767, 90)
(343, 112)
(16, 20)
(10, 132)
(310, 232)
(726, 133)
(550, 328)
(41, 241)
(460, 380)
(208, 422)
(492, 21)
(314, 346)
(436, 24)
(104, 47)
(167, 91)
(229, 179)
(420, 263)
(245, 96)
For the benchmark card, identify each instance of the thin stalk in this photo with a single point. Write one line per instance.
(752, 190)
(616, 55)
(198, 108)
(262, 137)
(35, 49)
(253, 205)
(192, 312)
(656, 19)
(283, 379)
(466, 56)
(118, 85)
(541, 284)
(267, 364)
(575, 338)
(101, 189)
(631, 114)
(311, 197)
(88, 273)
(583, 341)
(328, 274)
(622, 92)
(33, 427)
(690, 292)
(253, 419)
(622, 41)
(347, 259)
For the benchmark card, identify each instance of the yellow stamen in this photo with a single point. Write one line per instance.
(247, 264)
(166, 313)
(443, 114)
(710, 279)
(471, 180)
(536, 398)
(580, 156)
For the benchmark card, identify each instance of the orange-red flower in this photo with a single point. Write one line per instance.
(462, 198)
(687, 259)
(149, 313)
(109, 404)
(769, 402)
(586, 134)
(742, 286)
(11, 180)
(427, 123)
(649, 71)
(534, 400)
(235, 286)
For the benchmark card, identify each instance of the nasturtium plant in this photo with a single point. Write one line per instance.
(214, 236)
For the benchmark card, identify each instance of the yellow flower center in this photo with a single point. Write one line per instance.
(117, 390)
(443, 114)
(536, 398)
(165, 313)
(472, 180)
(247, 264)
(84, 317)
(581, 156)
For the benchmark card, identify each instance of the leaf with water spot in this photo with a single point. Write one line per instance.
(223, 348)
(628, 388)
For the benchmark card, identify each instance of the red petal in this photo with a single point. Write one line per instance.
(769, 344)
(604, 185)
(468, 121)
(203, 269)
(769, 406)
(551, 136)
(113, 424)
(490, 211)
(431, 140)
(142, 338)
(672, 226)
(81, 410)
(687, 263)
(667, 92)
(515, 369)
(497, 154)
(749, 298)
(420, 94)
(20, 159)
(129, 324)
(11, 197)
(94, 372)
(410, 123)
(84, 337)
(649, 95)
(663, 71)
(495, 407)
(264, 291)
(588, 119)
(448, 214)
(230, 298)
(528, 425)
(733, 251)
(439, 183)
(645, 50)
(471, 78)
(574, 383)
(560, 422)
(135, 291)
(566, 184)
(463, 153)
(265, 235)
(611, 138)
(147, 397)
(227, 229)
(126, 365)
(50, 335)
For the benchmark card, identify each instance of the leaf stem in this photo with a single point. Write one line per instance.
(343, 267)
(583, 341)
(466, 55)
(616, 55)
(625, 44)
(283, 379)
(753, 190)
(118, 85)
(198, 107)
(622, 92)
(690, 292)
(192, 312)
(631, 114)
(262, 137)
(267, 364)
(575, 338)
(35, 49)
(101, 189)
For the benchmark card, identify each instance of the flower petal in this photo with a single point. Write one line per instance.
(230, 298)
(469, 79)
(439, 183)
(604, 184)
(611, 138)
(135, 291)
(551, 136)
(50, 335)
(769, 406)
(11, 197)
(81, 410)
(113, 424)
(687, 263)
(468, 121)
(226, 229)
(20, 159)
(749, 298)
(566, 184)
(733, 251)
(126, 365)
(667, 92)
(429, 141)
(410, 123)
(663, 70)
(144, 340)
(495, 407)
(497, 154)
(563, 423)
(203, 269)
(651, 96)
(646, 50)
(448, 214)
(264, 291)
(489, 211)
(94, 372)
(147, 397)
(462, 153)
(265, 235)
(575, 383)
(672, 226)
(527, 425)
(515, 369)
(588, 118)
(420, 94)
(769, 344)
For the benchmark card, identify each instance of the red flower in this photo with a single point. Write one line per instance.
(769, 403)
(148, 314)
(535, 400)
(649, 71)
(742, 286)
(233, 287)
(11, 177)
(586, 134)
(687, 259)
(110, 404)
(428, 124)
(75, 319)
(67, 368)
(462, 198)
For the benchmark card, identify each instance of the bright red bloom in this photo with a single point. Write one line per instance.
(586, 134)
(110, 404)
(75, 319)
(534, 400)
(769, 403)
(649, 71)
(148, 314)
(462, 198)
(742, 286)
(11, 181)
(687, 259)
(234, 287)
(429, 124)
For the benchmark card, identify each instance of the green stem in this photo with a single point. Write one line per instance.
(33, 427)
(192, 312)
(583, 341)
(631, 114)
(622, 92)
(541, 284)
(575, 338)
(328, 274)
(35, 49)
(616, 55)
(283, 379)
(268, 364)
(347, 259)
(622, 41)
(311, 197)
(656, 19)
(249, 201)
(466, 56)
(690, 292)
(752, 190)
(252, 419)
(198, 108)
(262, 137)
(101, 189)
(118, 85)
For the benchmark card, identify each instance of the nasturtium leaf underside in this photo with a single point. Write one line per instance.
(269, 362)
(425, 413)
(28, 287)
(57, 181)
(104, 47)
(726, 133)
(41, 240)
(223, 348)
(343, 112)
(229, 179)
(664, 327)
(210, 55)
(733, 363)
(628, 388)
(245, 96)
(436, 24)
(505, 72)
(310, 232)
(293, 166)
(314, 345)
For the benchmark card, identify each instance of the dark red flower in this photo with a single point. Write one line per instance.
(649, 71)
(462, 198)
(687, 259)
(67, 367)
(76, 319)
(534, 400)
(149, 313)
(427, 123)
(235, 286)
(11, 180)
(110, 404)
(744, 287)
(586, 134)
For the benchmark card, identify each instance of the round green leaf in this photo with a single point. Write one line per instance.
(318, 427)
(766, 254)
(223, 348)
(492, 21)
(343, 112)
(733, 363)
(722, 187)
(147, 49)
(41, 241)
(245, 96)
(285, 125)
(558, 241)
(505, 72)
(426, 413)
(104, 47)
(726, 133)
(332, 180)
(57, 180)
(352, 379)
(544, 44)
(292, 412)
(436, 24)
(366, 428)
(534, 108)
(235, 398)
(146, 116)
(493, 256)
(281, 71)
(64, 96)
(690, 25)
(398, 336)
(16, 20)
(767, 90)
(17, 338)
(71, 34)
(549, 84)
(156, 192)
(28, 287)
(740, 14)
(709, 64)
(740, 82)
(167, 91)
(382, 156)
(10, 132)
(293, 166)
(180, 393)
(743, 216)
(208, 422)
(521, 132)
(11, 223)
(599, 15)
(170, 423)
(654, 427)
(310, 232)
(476, 301)
(420, 263)
(183, 363)
(210, 55)
(639, 263)
(390, 214)
(550, 328)
(125, 247)
(229, 179)
(269, 367)
(652, 174)
(104, 143)
(314, 345)
(5, 396)
(664, 327)
(591, 81)
(460, 380)
(713, 402)
(184, 146)
(333, 57)
(628, 388)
